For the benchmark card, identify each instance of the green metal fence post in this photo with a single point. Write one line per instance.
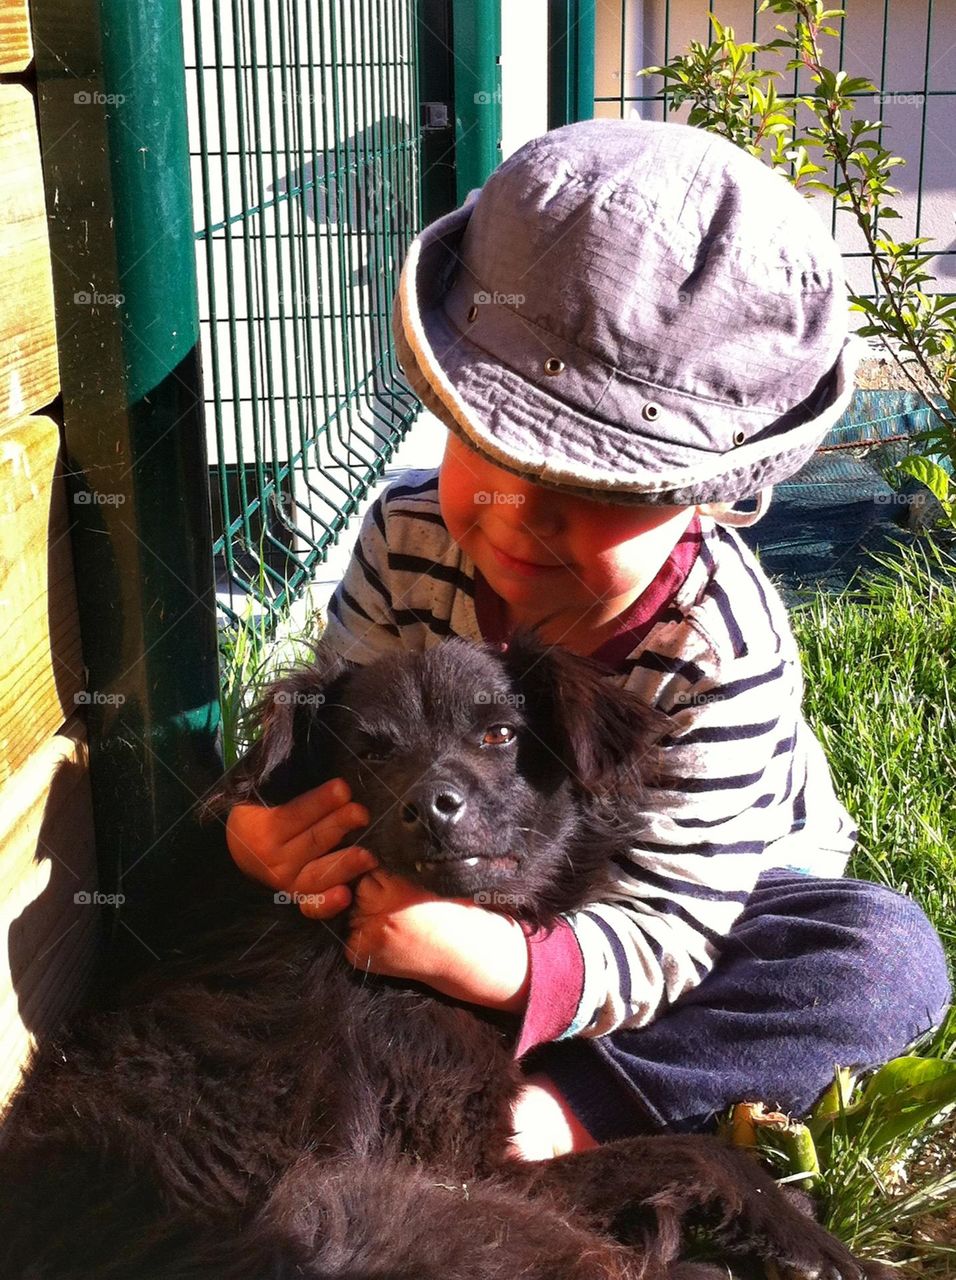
(476, 25)
(435, 93)
(570, 61)
(113, 134)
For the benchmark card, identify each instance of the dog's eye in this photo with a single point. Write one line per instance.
(375, 753)
(498, 735)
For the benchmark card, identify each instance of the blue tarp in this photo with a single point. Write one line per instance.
(823, 523)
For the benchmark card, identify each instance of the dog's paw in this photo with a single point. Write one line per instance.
(800, 1248)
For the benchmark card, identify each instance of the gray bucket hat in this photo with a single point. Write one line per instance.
(633, 311)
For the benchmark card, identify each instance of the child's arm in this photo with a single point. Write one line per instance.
(453, 944)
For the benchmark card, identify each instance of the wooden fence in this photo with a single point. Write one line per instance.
(47, 878)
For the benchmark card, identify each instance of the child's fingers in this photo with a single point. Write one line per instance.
(296, 816)
(322, 906)
(323, 875)
(319, 839)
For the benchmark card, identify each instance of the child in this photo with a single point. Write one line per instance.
(628, 329)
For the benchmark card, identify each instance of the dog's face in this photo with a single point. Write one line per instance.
(477, 765)
(461, 785)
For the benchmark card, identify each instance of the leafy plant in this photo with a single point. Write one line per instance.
(870, 1143)
(854, 1149)
(741, 103)
(252, 650)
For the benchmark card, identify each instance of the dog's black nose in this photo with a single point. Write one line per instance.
(434, 806)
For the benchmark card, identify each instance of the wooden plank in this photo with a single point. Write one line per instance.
(29, 376)
(16, 42)
(41, 670)
(48, 909)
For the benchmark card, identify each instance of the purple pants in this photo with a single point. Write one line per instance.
(815, 974)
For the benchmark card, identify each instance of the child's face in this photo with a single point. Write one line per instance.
(545, 551)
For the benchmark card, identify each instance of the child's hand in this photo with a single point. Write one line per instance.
(544, 1125)
(288, 846)
(453, 944)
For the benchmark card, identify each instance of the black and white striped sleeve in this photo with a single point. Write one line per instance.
(730, 765)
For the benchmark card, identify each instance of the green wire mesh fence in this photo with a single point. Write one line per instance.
(305, 145)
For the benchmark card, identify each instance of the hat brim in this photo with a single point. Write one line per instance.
(520, 426)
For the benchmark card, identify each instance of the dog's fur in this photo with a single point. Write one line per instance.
(259, 1110)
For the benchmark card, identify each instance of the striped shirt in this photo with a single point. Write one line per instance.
(745, 784)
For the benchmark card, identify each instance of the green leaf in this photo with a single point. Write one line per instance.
(858, 85)
(899, 1100)
(937, 480)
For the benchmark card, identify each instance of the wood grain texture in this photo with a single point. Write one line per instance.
(41, 670)
(16, 43)
(48, 912)
(29, 375)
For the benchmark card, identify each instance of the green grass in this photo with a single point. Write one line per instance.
(880, 668)
(252, 652)
(880, 672)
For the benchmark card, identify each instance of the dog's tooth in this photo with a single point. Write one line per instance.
(471, 862)
(419, 866)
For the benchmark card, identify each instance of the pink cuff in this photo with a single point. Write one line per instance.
(556, 982)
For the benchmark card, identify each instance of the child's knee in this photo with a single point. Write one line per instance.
(903, 982)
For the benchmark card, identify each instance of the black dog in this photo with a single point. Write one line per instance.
(259, 1110)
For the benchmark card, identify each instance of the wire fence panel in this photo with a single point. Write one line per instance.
(305, 145)
(907, 48)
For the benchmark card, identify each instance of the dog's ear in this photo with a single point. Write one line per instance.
(281, 762)
(604, 734)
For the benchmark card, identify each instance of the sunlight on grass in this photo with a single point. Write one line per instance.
(880, 668)
(251, 653)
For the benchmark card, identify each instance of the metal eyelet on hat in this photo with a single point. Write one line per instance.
(472, 312)
(739, 436)
(651, 411)
(553, 365)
